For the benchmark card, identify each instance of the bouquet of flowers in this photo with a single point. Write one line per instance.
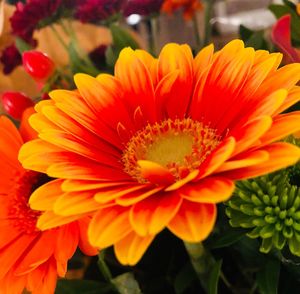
(131, 166)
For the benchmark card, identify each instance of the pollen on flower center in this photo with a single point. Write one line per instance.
(19, 213)
(180, 145)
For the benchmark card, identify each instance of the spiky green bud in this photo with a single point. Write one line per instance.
(269, 207)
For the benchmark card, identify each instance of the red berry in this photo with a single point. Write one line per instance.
(38, 65)
(14, 103)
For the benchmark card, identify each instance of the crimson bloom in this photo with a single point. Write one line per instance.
(161, 142)
(30, 259)
(142, 7)
(94, 11)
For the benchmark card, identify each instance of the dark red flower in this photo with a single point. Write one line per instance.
(10, 58)
(142, 7)
(98, 56)
(93, 11)
(28, 16)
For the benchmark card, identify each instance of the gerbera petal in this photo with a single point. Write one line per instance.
(131, 248)
(129, 199)
(74, 203)
(108, 226)
(67, 237)
(249, 133)
(18, 247)
(249, 158)
(84, 243)
(74, 106)
(283, 125)
(82, 185)
(40, 252)
(108, 97)
(217, 157)
(44, 197)
(155, 173)
(292, 98)
(194, 221)
(150, 216)
(49, 220)
(203, 59)
(281, 155)
(208, 190)
(173, 57)
(6, 124)
(136, 82)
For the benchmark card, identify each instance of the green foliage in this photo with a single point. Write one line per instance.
(255, 39)
(267, 278)
(22, 46)
(82, 287)
(214, 278)
(121, 39)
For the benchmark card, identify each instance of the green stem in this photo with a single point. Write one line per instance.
(59, 38)
(207, 18)
(197, 33)
(153, 36)
(201, 261)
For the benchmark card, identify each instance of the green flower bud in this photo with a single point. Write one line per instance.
(269, 207)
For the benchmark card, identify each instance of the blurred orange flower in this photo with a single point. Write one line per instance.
(160, 143)
(30, 258)
(189, 7)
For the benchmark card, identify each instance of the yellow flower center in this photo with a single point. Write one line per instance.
(179, 145)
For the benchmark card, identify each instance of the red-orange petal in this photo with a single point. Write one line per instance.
(150, 216)
(131, 248)
(108, 226)
(208, 190)
(194, 221)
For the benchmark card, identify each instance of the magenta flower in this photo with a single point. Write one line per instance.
(94, 11)
(142, 7)
(10, 58)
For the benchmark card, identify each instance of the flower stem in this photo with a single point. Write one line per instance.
(153, 35)
(207, 24)
(59, 38)
(197, 33)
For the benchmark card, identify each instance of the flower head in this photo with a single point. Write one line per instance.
(142, 7)
(158, 144)
(95, 11)
(30, 258)
(269, 207)
(28, 16)
(189, 7)
(10, 58)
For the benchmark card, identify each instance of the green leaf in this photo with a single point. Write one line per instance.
(267, 278)
(214, 278)
(127, 284)
(82, 287)
(122, 38)
(184, 278)
(228, 238)
(22, 46)
(245, 33)
(103, 267)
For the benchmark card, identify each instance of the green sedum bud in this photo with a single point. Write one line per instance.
(269, 207)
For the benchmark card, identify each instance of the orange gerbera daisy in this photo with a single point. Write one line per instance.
(158, 144)
(189, 7)
(30, 258)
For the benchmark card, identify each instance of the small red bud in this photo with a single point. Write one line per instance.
(15, 103)
(45, 96)
(38, 65)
